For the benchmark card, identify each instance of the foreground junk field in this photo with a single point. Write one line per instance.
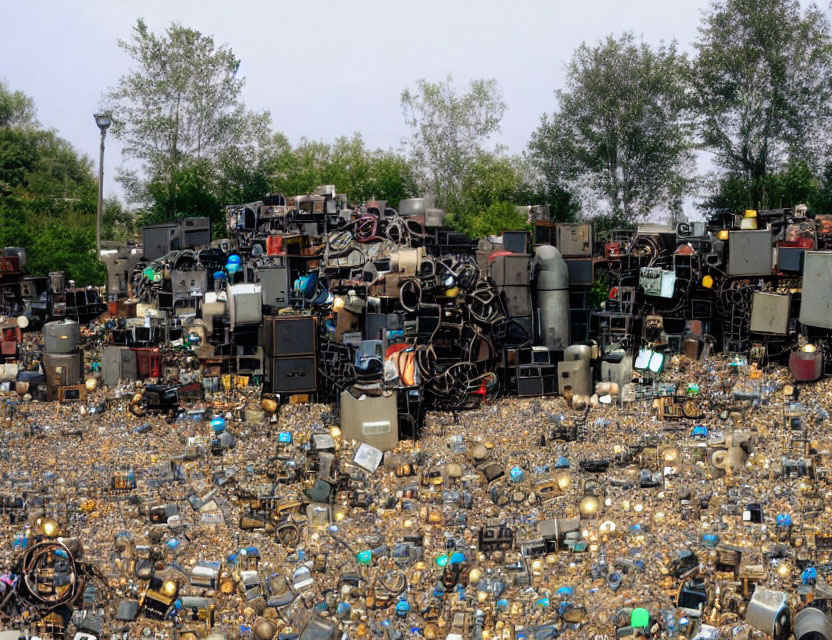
(351, 421)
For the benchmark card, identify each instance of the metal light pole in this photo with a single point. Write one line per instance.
(103, 121)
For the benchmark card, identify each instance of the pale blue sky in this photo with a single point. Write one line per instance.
(325, 68)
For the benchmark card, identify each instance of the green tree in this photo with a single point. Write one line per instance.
(62, 245)
(763, 86)
(490, 178)
(347, 163)
(16, 108)
(179, 110)
(449, 131)
(348, 166)
(240, 180)
(48, 195)
(794, 184)
(499, 216)
(494, 181)
(188, 191)
(620, 135)
(391, 178)
(117, 222)
(821, 200)
(298, 170)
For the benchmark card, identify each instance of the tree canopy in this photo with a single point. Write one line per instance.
(179, 113)
(449, 131)
(763, 85)
(48, 195)
(620, 135)
(347, 163)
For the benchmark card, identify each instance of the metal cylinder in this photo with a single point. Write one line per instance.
(57, 281)
(577, 353)
(812, 624)
(61, 336)
(8, 372)
(768, 611)
(552, 297)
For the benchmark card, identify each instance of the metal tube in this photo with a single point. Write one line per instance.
(100, 195)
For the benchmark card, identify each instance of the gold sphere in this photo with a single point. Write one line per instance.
(50, 528)
(589, 506)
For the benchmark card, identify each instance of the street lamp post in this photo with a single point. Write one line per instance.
(103, 121)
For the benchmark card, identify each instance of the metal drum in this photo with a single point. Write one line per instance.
(61, 336)
(768, 611)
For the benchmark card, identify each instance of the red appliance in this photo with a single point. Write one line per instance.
(806, 366)
(149, 363)
(9, 338)
(274, 245)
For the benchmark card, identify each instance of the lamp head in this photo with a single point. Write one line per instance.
(103, 120)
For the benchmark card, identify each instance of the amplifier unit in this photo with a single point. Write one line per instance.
(289, 336)
(293, 375)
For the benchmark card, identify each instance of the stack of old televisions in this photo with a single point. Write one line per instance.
(575, 243)
(290, 346)
(529, 372)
